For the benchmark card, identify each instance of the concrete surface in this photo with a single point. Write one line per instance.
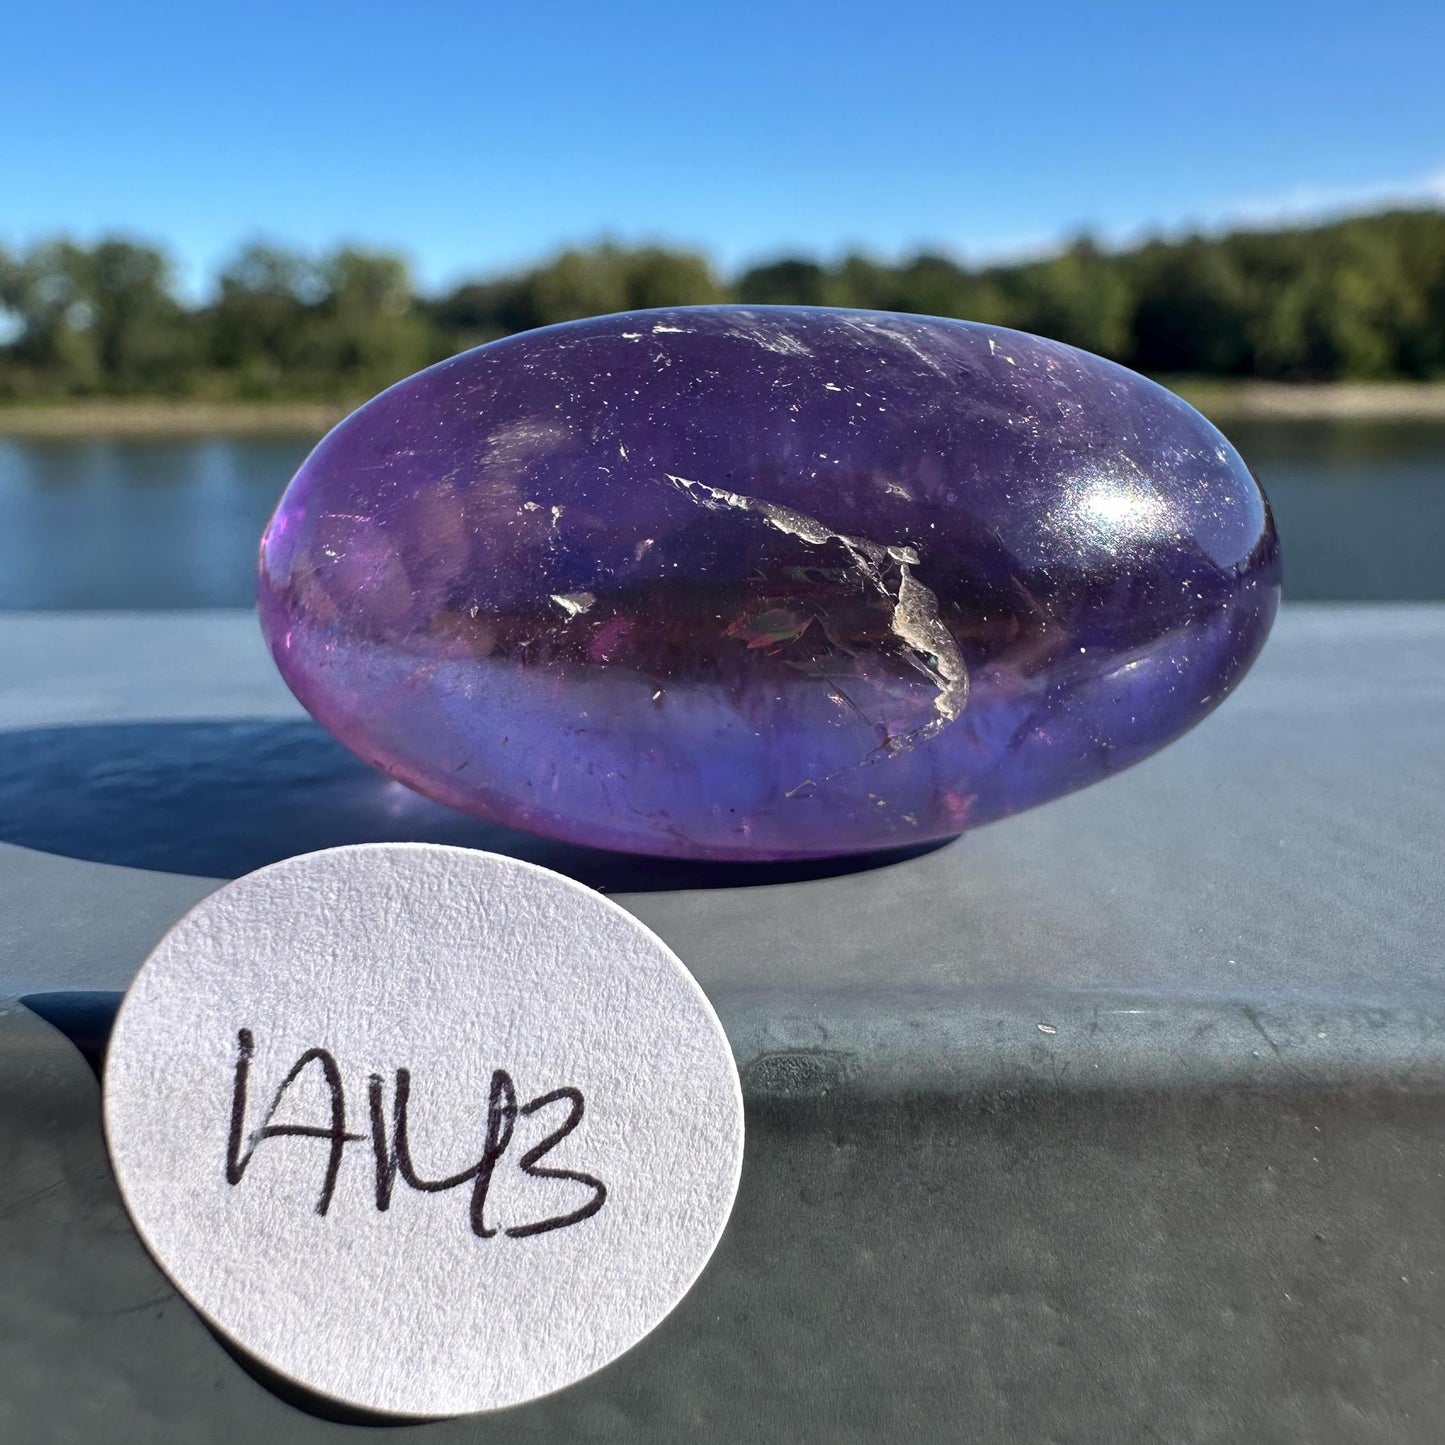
(1120, 1120)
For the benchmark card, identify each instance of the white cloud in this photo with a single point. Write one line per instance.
(1310, 202)
(1302, 204)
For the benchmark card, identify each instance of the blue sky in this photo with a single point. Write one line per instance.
(477, 136)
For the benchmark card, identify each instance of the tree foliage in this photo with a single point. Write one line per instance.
(1358, 298)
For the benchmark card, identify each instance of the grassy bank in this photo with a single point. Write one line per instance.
(152, 417)
(1224, 402)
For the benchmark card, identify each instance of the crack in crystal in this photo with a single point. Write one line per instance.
(573, 603)
(915, 619)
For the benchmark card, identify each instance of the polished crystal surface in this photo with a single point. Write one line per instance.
(766, 583)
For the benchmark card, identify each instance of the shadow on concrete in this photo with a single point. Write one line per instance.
(84, 1016)
(219, 799)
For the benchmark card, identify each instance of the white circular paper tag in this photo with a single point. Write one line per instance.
(426, 1130)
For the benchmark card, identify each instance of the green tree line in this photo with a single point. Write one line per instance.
(1356, 298)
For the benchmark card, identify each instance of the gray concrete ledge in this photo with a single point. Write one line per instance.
(1120, 1120)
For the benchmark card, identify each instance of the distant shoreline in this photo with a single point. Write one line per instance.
(1230, 401)
(162, 417)
(1224, 402)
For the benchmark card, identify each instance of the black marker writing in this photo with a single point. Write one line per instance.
(395, 1157)
(237, 1160)
(391, 1147)
(530, 1166)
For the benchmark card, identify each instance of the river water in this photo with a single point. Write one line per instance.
(96, 523)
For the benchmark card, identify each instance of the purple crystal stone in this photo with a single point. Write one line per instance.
(722, 582)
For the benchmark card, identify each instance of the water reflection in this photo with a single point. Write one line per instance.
(1360, 506)
(115, 524)
(174, 522)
